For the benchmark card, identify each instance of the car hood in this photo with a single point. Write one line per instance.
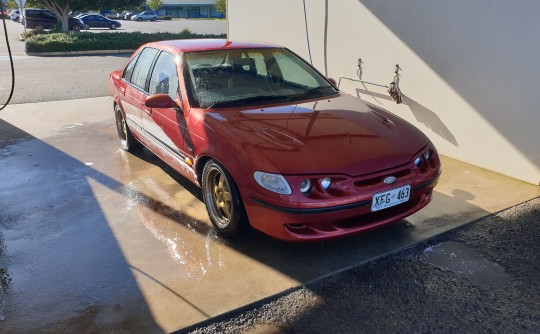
(337, 135)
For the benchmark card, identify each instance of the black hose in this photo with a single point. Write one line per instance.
(307, 33)
(10, 58)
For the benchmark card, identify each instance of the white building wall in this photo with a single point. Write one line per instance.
(471, 71)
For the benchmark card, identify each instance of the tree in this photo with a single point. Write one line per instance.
(221, 6)
(154, 4)
(63, 8)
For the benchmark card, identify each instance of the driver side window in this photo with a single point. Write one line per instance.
(164, 78)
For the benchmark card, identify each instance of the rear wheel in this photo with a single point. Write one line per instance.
(222, 200)
(139, 19)
(76, 27)
(127, 141)
(154, 19)
(39, 27)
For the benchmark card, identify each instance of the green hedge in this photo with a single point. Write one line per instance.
(85, 41)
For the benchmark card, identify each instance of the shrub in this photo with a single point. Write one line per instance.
(165, 18)
(85, 41)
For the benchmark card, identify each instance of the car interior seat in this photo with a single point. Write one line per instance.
(245, 73)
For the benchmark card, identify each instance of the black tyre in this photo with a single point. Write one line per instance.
(154, 19)
(139, 19)
(222, 200)
(39, 27)
(127, 141)
(113, 26)
(76, 27)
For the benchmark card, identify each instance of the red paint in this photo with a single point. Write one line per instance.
(354, 143)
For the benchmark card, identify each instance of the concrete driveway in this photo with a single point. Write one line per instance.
(99, 238)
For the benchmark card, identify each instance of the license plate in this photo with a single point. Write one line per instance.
(390, 198)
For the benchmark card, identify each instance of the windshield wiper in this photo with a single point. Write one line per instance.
(314, 92)
(256, 98)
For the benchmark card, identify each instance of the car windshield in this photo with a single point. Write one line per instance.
(247, 77)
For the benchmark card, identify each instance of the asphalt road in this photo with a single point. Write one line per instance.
(41, 79)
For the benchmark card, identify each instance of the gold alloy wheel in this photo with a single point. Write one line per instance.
(221, 196)
(121, 125)
(222, 200)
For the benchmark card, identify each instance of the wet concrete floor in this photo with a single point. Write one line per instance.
(99, 238)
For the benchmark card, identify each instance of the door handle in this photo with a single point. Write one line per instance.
(123, 90)
(148, 111)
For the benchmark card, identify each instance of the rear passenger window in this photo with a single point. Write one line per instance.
(129, 69)
(142, 67)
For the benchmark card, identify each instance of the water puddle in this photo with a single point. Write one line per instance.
(467, 263)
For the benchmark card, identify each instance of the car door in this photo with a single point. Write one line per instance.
(101, 22)
(136, 76)
(166, 126)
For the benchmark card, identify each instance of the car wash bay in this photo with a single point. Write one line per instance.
(99, 238)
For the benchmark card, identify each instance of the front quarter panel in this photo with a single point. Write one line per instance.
(212, 138)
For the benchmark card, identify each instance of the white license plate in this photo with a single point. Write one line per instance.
(390, 198)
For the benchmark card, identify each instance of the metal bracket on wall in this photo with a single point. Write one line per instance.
(394, 90)
(359, 73)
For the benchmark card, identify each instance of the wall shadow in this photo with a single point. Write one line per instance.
(420, 112)
(478, 49)
(67, 272)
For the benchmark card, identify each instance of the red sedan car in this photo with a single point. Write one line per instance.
(271, 142)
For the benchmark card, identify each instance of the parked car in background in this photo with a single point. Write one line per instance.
(128, 15)
(16, 15)
(41, 19)
(99, 21)
(147, 16)
(270, 140)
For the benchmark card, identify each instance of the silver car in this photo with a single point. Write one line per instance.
(147, 15)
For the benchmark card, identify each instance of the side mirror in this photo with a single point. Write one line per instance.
(333, 82)
(161, 101)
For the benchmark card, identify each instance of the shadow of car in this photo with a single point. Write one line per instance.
(40, 19)
(99, 21)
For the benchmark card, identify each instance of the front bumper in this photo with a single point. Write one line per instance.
(293, 223)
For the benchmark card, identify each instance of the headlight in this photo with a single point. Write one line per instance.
(428, 154)
(273, 182)
(418, 161)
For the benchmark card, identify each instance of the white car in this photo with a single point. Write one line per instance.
(16, 15)
(147, 15)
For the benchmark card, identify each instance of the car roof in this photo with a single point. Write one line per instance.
(192, 45)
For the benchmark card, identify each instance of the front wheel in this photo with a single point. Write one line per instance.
(39, 27)
(154, 19)
(113, 26)
(127, 141)
(139, 19)
(222, 200)
(76, 27)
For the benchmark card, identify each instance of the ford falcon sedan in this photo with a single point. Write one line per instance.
(271, 142)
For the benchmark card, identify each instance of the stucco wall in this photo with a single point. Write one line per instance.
(470, 68)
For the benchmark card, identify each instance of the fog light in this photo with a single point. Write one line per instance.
(418, 161)
(305, 186)
(428, 154)
(326, 182)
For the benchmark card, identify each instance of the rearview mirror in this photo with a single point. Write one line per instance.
(161, 101)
